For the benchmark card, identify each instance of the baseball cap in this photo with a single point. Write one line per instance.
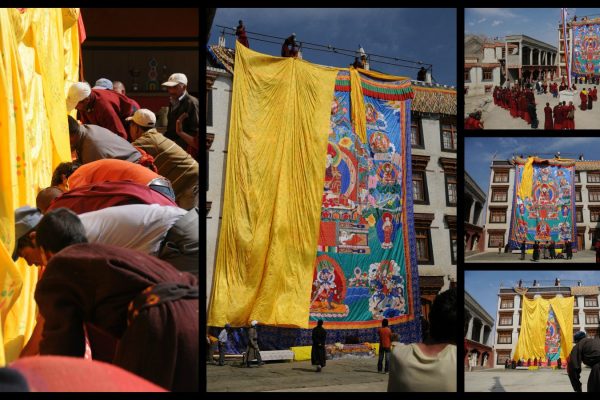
(176, 79)
(143, 117)
(103, 83)
(26, 218)
(77, 92)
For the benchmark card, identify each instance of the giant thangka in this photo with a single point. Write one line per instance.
(586, 49)
(544, 202)
(317, 214)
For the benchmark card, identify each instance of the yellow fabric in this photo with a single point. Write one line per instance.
(526, 179)
(279, 127)
(532, 338)
(357, 106)
(33, 138)
(301, 353)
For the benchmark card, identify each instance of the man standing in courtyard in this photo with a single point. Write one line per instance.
(385, 344)
(523, 247)
(223, 338)
(252, 351)
(318, 356)
(586, 350)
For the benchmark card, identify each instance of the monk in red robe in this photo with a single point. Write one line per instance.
(570, 111)
(240, 32)
(548, 117)
(558, 117)
(583, 98)
(594, 94)
(524, 105)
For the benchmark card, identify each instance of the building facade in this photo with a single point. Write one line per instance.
(474, 202)
(585, 312)
(483, 65)
(500, 202)
(479, 339)
(434, 144)
(529, 59)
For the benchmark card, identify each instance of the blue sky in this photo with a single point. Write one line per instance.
(483, 286)
(427, 35)
(538, 23)
(480, 151)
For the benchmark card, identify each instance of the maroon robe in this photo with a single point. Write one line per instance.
(583, 99)
(93, 283)
(548, 118)
(558, 117)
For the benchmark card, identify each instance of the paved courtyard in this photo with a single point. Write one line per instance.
(501, 380)
(585, 256)
(343, 375)
(495, 117)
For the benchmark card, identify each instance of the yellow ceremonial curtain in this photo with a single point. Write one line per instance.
(40, 59)
(533, 327)
(279, 126)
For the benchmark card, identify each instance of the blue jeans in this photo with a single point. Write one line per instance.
(383, 351)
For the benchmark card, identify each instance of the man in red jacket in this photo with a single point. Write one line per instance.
(104, 108)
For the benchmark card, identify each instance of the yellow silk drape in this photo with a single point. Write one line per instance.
(279, 126)
(40, 56)
(532, 337)
(526, 179)
(357, 106)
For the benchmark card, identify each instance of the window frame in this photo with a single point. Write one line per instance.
(427, 237)
(504, 334)
(467, 75)
(417, 120)
(499, 190)
(447, 180)
(578, 214)
(594, 301)
(453, 134)
(595, 175)
(490, 235)
(423, 175)
(512, 302)
(578, 196)
(485, 71)
(496, 211)
(502, 173)
(593, 195)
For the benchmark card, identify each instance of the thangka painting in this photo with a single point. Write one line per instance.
(586, 49)
(366, 268)
(552, 344)
(548, 213)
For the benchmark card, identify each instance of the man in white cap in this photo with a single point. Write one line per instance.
(171, 161)
(181, 102)
(104, 108)
(252, 351)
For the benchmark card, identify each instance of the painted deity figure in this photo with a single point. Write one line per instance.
(388, 230)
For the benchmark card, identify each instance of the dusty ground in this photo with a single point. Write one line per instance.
(495, 117)
(585, 256)
(343, 375)
(502, 380)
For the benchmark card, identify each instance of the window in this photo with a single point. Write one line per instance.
(577, 194)
(497, 215)
(507, 303)
(424, 255)
(496, 239)
(576, 177)
(576, 301)
(502, 357)
(504, 338)
(591, 319)
(487, 75)
(579, 214)
(468, 75)
(594, 194)
(591, 302)
(416, 134)
(453, 246)
(593, 177)
(499, 194)
(420, 188)
(592, 332)
(575, 319)
(448, 135)
(209, 108)
(505, 320)
(451, 195)
(500, 176)
(594, 214)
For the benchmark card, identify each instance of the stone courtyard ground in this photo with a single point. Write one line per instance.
(342, 375)
(503, 380)
(495, 117)
(584, 256)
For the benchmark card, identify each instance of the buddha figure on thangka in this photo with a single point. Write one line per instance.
(360, 271)
(546, 215)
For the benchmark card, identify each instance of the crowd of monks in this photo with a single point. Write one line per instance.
(520, 101)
